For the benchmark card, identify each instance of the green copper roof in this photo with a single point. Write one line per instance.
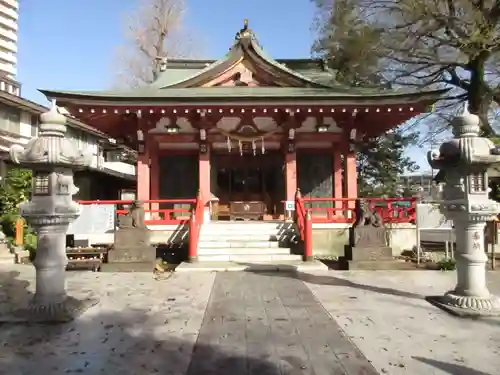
(306, 80)
(234, 94)
(245, 45)
(172, 76)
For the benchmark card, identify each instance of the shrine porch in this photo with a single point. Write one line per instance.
(329, 224)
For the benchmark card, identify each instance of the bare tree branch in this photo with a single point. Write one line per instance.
(154, 31)
(434, 42)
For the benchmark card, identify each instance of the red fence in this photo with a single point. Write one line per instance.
(159, 211)
(342, 210)
(307, 212)
(191, 213)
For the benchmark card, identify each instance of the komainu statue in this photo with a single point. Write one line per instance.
(365, 217)
(134, 218)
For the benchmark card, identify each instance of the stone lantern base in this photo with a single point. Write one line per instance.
(62, 312)
(467, 306)
(67, 310)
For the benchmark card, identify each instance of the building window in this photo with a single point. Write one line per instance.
(10, 119)
(35, 120)
(114, 156)
(41, 184)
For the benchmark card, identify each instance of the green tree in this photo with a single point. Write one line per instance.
(348, 43)
(427, 44)
(15, 189)
(381, 161)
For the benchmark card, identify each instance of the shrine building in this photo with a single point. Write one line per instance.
(245, 131)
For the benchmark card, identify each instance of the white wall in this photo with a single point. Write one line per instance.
(85, 142)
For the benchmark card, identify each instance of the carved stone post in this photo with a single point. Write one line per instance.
(52, 158)
(464, 161)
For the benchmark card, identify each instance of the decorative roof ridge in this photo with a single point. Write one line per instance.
(245, 41)
(189, 64)
(245, 33)
(202, 63)
(260, 52)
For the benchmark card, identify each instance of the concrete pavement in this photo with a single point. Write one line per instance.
(251, 323)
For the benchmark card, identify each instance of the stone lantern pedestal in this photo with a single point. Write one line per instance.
(52, 158)
(464, 161)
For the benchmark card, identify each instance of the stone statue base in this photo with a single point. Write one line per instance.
(367, 250)
(367, 236)
(62, 312)
(132, 252)
(467, 306)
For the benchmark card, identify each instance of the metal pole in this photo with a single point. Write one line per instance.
(417, 233)
(452, 244)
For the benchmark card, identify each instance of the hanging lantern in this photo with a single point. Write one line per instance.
(263, 148)
(240, 145)
(254, 148)
(228, 144)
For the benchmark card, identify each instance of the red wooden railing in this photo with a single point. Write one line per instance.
(193, 216)
(195, 224)
(156, 216)
(300, 214)
(304, 225)
(341, 210)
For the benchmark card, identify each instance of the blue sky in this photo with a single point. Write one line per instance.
(72, 44)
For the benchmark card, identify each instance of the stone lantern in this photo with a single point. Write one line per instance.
(52, 158)
(464, 161)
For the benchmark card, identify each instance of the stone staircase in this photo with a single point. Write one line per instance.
(244, 241)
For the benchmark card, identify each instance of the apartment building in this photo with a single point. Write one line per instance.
(9, 14)
(111, 169)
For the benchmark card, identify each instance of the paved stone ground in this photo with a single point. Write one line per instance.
(268, 325)
(385, 315)
(265, 324)
(141, 326)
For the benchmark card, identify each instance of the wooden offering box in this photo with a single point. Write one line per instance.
(85, 257)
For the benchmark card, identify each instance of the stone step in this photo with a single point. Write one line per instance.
(208, 236)
(242, 231)
(247, 227)
(261, 224)
(251, 266)
(243, 250)
(249, 257)
(238, 244)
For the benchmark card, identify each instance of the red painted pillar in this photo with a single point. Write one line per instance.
(351, 175)
(204, 181)
(351, 181)
(308, 244)
(143, 178)
(337, 179)
(193, 239)
(291, 175)
(155, 179)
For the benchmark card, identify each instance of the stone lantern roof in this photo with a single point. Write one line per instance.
(50, 147)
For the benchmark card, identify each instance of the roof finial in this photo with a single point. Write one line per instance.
(245, 23)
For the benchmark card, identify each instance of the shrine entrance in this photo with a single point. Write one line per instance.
(249, 187)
